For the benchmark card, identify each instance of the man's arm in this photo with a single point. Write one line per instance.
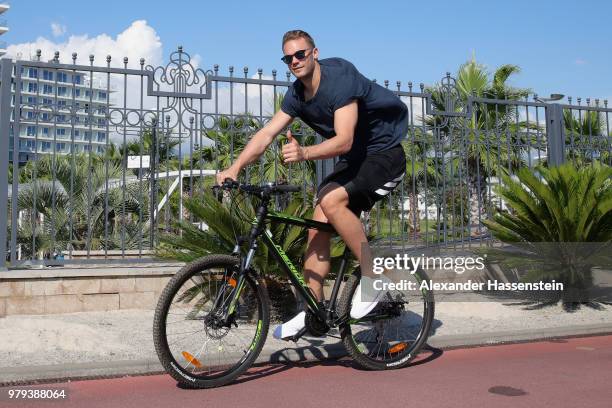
(257, 145)
(345, 121)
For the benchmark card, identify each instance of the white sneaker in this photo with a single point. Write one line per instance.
(291, 327)
(361, 308)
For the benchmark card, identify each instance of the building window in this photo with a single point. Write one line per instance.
(30, 115)
(62, 91)
(87, 93)
(47, 101)
(32, 73)
(32, 100)
(87, 136)
(47, 89)
(77, 93)
(45, 131)
(61, 118)
(45, 116)
(101, 136)
(32, 87)
(100, 149)
(77, 79)
(46, 146)
(77, 134)
(61, 104)
(62, 77)
(60, 147)
(102, 95)
(61, 133)
(30, 144)
(31, 130)
(48, 75)
(87, 148)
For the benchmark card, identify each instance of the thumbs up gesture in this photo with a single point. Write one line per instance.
(292, 151)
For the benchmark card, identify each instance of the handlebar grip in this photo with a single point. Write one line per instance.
(226, 184)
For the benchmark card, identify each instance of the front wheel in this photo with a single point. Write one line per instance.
(193, 344)
(393, 333)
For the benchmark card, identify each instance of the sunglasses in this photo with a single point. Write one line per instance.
(300, 55)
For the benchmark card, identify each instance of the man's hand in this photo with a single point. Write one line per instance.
(292, 151)
(228, 173)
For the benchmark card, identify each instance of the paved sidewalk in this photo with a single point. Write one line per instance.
(120, 342)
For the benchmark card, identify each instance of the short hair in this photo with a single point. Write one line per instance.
(295, 34)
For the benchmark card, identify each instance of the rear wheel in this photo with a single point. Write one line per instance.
(393, 333)
(192, 343)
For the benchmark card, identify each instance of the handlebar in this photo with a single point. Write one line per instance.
(267, 189)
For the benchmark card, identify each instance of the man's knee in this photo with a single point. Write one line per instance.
(333, 201)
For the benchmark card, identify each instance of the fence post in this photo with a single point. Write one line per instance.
(152, 192)
(6, 68)
(555, 134)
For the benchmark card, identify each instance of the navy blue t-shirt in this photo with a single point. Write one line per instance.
(382, 120)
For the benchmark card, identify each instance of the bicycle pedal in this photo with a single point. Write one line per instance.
(296, 336)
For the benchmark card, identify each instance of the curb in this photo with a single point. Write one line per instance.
(317, 350)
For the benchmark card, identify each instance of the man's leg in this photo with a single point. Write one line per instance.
(335, 207)
(316, 259)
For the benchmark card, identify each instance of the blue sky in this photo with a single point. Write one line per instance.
(561, 46)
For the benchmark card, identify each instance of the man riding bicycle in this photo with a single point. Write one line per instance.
(364, 124)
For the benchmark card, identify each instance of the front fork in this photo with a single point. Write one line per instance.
(241, 281)
(258, 224)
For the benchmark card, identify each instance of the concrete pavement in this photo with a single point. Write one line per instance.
(120, 342)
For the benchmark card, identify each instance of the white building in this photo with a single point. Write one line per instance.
(80, 106)
(62, 111)
(4, 6)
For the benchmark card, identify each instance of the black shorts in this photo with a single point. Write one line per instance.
(371, 179)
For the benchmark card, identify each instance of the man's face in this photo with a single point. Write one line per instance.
(305, 67)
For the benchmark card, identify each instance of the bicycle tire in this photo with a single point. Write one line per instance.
(395, 360)
(170, 362)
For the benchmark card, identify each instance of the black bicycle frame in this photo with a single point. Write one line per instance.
(295, 277)
(293, 274)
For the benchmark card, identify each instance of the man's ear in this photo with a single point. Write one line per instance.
(315, 53)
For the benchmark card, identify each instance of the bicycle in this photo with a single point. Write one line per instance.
(212, 318)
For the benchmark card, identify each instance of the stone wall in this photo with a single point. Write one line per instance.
(66, 290)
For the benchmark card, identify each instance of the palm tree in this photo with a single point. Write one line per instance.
(486, 140)
(79, 203)
(562, 218)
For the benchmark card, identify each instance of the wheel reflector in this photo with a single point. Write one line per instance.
(398, 348)
(191, 359)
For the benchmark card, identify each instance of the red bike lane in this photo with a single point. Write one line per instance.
(561, 373)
